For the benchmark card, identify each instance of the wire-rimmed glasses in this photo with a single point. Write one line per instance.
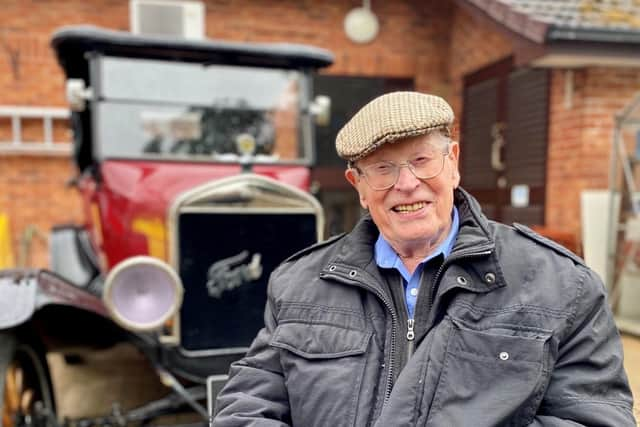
(427, 164)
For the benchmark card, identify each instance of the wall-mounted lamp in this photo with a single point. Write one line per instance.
(361, 24)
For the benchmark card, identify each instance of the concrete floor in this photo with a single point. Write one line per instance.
(88, 389)
(632, 365)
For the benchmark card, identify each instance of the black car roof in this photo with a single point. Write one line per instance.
(72, 44)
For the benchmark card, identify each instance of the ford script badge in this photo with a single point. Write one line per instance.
(232, 272)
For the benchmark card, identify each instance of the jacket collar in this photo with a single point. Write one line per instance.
(476, 245)
(474, 234)
(475, 242)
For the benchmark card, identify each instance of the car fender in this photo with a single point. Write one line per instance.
(17, 299)
(23, 292)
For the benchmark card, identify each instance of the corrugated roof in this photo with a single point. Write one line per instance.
(608, 21)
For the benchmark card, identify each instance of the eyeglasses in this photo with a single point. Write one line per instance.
(425, 165)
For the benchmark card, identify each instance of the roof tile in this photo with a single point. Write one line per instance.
(606, 15)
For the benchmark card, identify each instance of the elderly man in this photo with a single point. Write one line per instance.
(428, 313)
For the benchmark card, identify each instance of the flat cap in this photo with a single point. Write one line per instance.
(391, 117)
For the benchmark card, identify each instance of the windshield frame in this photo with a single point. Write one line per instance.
(305, 134)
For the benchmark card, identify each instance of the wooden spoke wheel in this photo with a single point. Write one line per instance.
(26, 384)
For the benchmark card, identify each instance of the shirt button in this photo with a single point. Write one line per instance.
(504, 355)
(413, 292)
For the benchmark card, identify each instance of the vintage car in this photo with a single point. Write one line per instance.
(193, 160)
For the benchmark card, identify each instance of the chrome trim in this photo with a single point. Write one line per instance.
(209, 189)
(212, 381)
(234, 194)
(306, 120)
(95, 80)
(283, 211)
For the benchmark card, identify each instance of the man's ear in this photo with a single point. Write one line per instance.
(454, 155)
(354, 179)
(455, 152)
(352, 176)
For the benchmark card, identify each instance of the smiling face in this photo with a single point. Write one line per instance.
(414, 215)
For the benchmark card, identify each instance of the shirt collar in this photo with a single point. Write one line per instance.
(386, 256)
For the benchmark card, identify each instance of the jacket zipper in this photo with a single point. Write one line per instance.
(394, 322)
(410, 320)
(435, 287)
(394, 317)
(410, 337)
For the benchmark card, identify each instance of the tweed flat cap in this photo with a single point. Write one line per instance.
(391, 117)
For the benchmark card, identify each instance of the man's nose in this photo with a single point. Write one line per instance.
(406, 179)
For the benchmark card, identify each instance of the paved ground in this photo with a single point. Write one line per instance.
(88, 389)
(632, 365)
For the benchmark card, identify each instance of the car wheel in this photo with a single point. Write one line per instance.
(25, 383)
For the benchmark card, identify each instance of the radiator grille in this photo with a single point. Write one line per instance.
(232, 319)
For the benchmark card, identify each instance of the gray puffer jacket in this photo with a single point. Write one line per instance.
(517, 333)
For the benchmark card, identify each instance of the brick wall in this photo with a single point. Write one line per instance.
(32, 191)
(29, 74)
(410, 43)
(34, 197)
(580, 137)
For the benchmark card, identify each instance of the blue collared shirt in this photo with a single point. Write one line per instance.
(386, 257)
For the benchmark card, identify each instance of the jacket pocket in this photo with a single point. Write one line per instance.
(320, 341)
(490, 378)
(323, 367)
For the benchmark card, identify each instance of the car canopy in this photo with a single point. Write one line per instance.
(72, 45)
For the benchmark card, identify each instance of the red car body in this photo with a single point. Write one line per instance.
(133, 190)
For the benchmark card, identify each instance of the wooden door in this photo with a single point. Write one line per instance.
(504, 141)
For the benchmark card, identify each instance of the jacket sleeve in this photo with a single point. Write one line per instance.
(255, 394)
(588, 385)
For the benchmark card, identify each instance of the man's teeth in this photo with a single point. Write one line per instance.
(409, 208)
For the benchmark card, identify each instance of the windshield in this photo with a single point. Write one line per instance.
(172, 110)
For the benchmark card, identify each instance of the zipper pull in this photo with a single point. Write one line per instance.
(410, 334)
